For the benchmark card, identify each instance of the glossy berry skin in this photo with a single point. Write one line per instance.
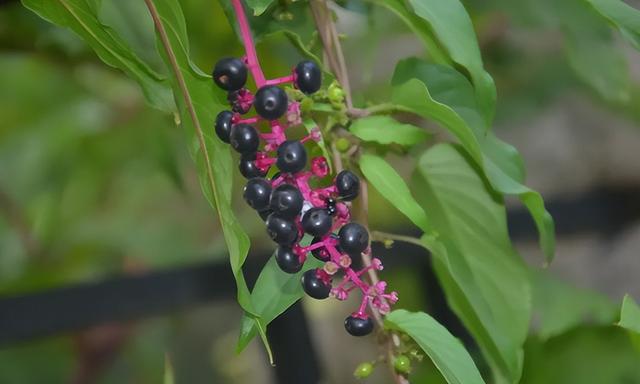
(348, 185)
(230, 74)
(244, 138)
(270, 102)
(281, 230)
(354, 238)
(314, 286)
(223, 125)
(316, 222)
(292, 156)
(308, 76)
(248, 167)
(257, 193)
(357, 326)
(288, 260)
(286, 200)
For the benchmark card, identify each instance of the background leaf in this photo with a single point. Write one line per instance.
(560, 307)
(630, 315)
(446, 352)
(485, 281)
(622, 16)
(442, 94)
(387, 130)
(82, 18)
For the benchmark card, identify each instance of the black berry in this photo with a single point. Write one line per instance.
(286, 200)
(288, 260)
(230, 74)
(281, 230)
(292, 156)
(348, 185)
(248, 167)
(308, 76)
(316, 222)
(354, 238)
(244, 138)
(223, 125)
(257, 193)
(330, 205)
(270, 102)
(314, 286)
(357, 326)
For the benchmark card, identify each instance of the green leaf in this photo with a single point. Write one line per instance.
(485, 281)
(630, 315)
(390, 185)
(444, 95)
(273, 293)
(418, 26)
(452, 27)
(82, 18)
(585, 355)
(259, 6)
(622, 16)
(590, 48)
(387, 130)
(446, 352)
(198, 105)
(559, 307)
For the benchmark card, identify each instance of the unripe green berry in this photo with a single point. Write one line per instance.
(343, 145)
(306, 104)
(335, 94)
(402, 364)
(363, 370)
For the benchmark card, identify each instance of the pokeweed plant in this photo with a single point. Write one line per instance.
(455, 196)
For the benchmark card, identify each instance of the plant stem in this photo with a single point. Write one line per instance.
(335, 57)
(383, 236)
(249, 46)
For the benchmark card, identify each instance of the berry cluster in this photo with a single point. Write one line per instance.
(286, 201)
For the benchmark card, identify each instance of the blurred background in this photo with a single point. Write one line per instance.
(94, 185)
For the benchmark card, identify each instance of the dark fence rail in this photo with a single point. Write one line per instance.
(604, 212)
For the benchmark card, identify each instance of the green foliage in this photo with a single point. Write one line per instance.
(560, 307)
(387, 130)
(472, 251)
(446, 352)
(586, 355)
(630, 315)
(391, 186)
(442, 94)
(82, 18)
(452, 27)
(622, 16)
(273, 293)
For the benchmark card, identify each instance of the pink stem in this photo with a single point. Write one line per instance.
(281, 80)
(250, 49)
(250, 120)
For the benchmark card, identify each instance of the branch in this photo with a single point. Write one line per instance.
(333, 53)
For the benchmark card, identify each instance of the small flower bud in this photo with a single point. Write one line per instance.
(402, 364)
(363, 370)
